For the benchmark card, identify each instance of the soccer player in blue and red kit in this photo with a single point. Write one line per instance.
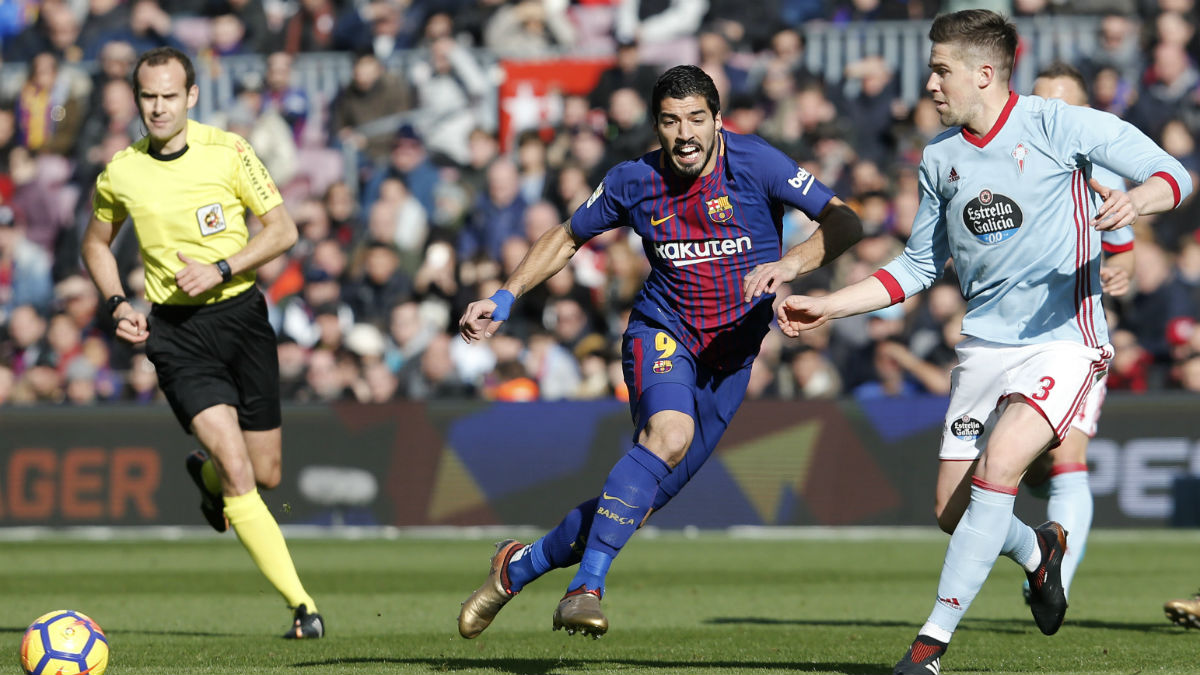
(708, 206)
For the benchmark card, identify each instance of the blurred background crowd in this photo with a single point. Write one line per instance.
(417, 188)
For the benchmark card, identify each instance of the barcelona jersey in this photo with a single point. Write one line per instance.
(702, 236)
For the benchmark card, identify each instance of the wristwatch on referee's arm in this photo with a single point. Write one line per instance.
(223, 268)
(114, 302)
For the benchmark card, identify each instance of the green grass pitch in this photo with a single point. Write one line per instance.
(845, 602)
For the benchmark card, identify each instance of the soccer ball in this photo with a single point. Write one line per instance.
(64, 642)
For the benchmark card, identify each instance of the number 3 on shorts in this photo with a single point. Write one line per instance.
(1044, 393)
(665, 344)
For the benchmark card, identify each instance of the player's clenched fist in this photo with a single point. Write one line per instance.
(801, 312)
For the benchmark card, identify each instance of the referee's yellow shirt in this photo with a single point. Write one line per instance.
(193, 203)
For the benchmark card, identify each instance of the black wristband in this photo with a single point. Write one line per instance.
(223, 268)
(114, 302)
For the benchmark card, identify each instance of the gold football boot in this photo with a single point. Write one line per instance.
(1186, 613)
(579, 610)
(487, 600)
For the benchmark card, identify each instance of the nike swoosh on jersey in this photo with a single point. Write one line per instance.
(605, 495)
(655, 222)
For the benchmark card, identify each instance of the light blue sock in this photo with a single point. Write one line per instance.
(1021, 545)
(973, 549)
(1071, 505)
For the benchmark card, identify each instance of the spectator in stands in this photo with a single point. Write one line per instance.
(24, 268)
(49, 108)
(510, 383)
(482, 149)
(528, 29)
(7, 382)
(436, 278)
(1117, 47)
(300, 311)
(56, 31)
(141, 385)
(1169, 91)
(716, 59)
(1152, 305)
(149, 26)
(265, 129)
(653, 22)
(436, 376)
(627, 73)
(382, 385)
(449, 83)
(26, 346)
(342, 210)
(399, 220)
(360, 114)
(630, 133)
(497, 214)
(553, 366)
(409, 162)
(227, 36)
(324, 382)
(536, 180)
(384, 27)
(256, 38)
(378, 284)
(874, 110)
(282, 96)
(116, 61)
(310, 29)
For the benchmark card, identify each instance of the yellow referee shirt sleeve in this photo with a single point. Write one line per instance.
(252, 182)
(104, 202)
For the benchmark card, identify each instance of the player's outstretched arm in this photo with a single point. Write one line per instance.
(840, 228)
(102, 266)
(549, 254)
(801, 312)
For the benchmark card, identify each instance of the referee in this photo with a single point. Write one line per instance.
(187, 186)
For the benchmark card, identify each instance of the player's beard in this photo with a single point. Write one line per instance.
(693, 170)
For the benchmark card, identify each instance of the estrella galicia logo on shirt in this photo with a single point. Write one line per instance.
(992, 217)
(684, 253)
(719, 209)
(966, 428)
(211, 219)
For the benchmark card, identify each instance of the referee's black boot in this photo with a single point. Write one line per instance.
(212, 506)
(305, 625)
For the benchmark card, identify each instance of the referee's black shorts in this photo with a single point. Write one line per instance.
(220, 353)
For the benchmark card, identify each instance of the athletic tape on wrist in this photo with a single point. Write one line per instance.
(504, 301)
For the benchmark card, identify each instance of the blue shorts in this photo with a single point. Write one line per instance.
(652, 357)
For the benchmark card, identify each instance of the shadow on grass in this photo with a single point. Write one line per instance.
(538, 666)
(1012, 626)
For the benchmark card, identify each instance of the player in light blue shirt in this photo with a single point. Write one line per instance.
(1008, 193)
(1061, 475)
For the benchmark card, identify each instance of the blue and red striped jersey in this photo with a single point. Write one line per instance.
(703, 236)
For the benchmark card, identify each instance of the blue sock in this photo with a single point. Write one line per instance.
(1071, 505)
(1021, 545)
(625, 500)
(973, 549)
(560, 547)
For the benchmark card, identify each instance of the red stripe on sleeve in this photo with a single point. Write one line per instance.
(895, 293)
(1117, 248)
(993, 487)
(1170, 179)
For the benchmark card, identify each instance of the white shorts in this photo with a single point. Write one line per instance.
(1089, 413)
(1054, 377)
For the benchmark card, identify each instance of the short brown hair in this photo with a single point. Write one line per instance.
(1064, 69)
(982, 32)
(161, 56)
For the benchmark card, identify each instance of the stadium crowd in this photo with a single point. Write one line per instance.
(441, 208)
